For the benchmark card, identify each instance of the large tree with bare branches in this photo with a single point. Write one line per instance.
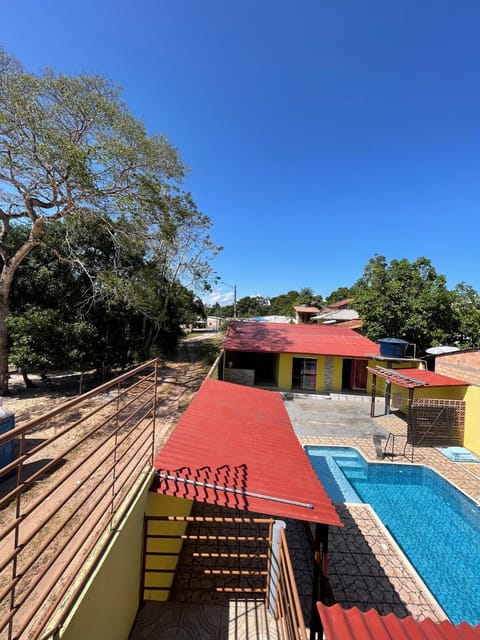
(70, 149)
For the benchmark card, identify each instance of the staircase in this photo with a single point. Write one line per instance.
(353, 467)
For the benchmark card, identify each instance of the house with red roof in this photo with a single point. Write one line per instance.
(298, 357)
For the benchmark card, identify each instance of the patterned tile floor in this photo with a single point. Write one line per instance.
(366, 568)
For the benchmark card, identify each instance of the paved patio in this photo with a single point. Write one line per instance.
(366, 567)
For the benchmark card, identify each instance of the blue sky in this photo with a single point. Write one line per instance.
(317, 133)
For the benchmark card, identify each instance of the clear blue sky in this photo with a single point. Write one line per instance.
(318, 132)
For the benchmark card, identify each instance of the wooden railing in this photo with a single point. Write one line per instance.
(73, 475)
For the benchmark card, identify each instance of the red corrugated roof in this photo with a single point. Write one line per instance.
(242, 439)
(353, 624)
(417, 378)
(298, 338)
(433, 379)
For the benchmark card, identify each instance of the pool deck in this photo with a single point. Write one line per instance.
(366, 567)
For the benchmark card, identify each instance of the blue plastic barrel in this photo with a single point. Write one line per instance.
(7, 450)
(393, 347)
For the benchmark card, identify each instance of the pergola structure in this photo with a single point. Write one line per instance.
(410, 379)
(440, 415)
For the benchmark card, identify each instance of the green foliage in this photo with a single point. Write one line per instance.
(466, 306)
(118, 244)
(405, 300)
(342, 293)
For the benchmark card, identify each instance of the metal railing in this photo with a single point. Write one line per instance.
(71, 479)
(289, 610)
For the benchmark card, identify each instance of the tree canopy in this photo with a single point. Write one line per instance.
(72, 156)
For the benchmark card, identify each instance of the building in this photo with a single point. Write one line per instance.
(301, 357)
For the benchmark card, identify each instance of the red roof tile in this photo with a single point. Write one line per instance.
(353, 624)
(423, 377)
(298, 338)
(241, 438)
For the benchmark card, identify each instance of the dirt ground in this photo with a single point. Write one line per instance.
(179, 379)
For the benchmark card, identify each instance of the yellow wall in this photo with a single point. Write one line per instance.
(107, 608)
(472, 419)
(284, 371)
(159, 505)
(443, 393)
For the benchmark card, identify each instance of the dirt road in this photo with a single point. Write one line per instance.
(179, 380)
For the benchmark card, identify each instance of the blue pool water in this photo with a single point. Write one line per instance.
(436, 525)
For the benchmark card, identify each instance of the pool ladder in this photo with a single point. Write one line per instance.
(389, 448)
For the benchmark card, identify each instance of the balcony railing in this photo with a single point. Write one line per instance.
(72, 477)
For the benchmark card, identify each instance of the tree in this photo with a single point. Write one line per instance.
(342, 293)
(406, 300)
(71, 150)
(467, 310)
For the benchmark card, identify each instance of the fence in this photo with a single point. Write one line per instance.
(73, 476)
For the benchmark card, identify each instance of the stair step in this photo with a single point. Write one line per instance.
(354, 474)
(350, 464)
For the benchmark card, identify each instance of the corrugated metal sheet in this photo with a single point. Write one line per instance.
(241, 438)
(353, 624)
(417, 378)
(298, 338)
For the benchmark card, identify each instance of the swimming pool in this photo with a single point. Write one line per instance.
(437, 526)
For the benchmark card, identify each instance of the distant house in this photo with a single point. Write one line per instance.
(304, 313)
(340, 312)
(297, 356)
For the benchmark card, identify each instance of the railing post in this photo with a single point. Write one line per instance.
(274, 566)
(154, 409)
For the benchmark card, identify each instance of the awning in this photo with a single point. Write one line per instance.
(235, 447)
(353, 624)
(412, 378)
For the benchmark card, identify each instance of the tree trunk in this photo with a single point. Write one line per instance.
(4, 374)
(28, 383)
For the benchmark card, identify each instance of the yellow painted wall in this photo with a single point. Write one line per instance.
(107, 608)
(336, 384)
(399, 397)
(159, 505)
(285, 371)
(472, 419)
(276, 368)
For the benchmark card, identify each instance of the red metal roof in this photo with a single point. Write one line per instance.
(353, 624)
(298, 338)
(416, 378)
(241, 438)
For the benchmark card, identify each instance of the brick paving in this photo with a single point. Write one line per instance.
(366, 568)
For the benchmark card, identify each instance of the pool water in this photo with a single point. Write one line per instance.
(437, 526)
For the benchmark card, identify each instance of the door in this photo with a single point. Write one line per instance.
(358, 374)
(304, 374)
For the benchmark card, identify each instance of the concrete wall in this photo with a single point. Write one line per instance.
(107, 608)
